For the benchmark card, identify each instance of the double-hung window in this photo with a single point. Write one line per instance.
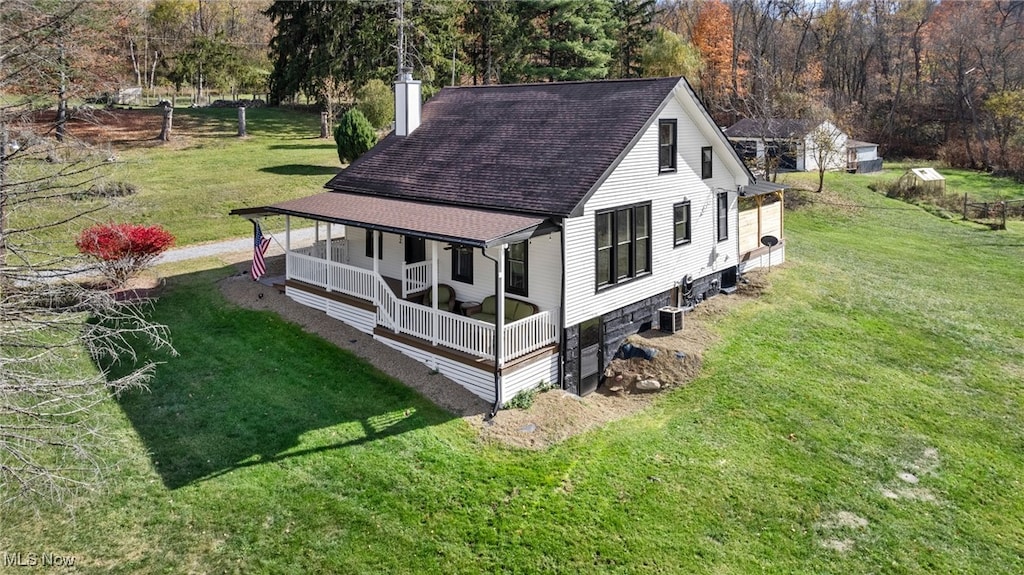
(623, 246)
(681, 223)
(516, 268)
(462, 264)
(723, 216)
(706, 158)
(666, 145)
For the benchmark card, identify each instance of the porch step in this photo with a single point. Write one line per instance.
(276, 282)
(728, 290)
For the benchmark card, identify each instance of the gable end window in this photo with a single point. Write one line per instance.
(623, 246)
(681, 223)
(723, 216)
(705, 162)
(462, 264)
(666, 145)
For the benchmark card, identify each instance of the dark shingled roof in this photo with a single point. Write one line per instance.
(529, 148)
(774, 129)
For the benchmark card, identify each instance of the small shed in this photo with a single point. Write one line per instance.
(925, 179)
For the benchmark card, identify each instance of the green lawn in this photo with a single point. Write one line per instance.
(191, 190)
(890, 344)
(190, 184)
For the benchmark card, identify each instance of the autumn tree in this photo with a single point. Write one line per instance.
(712, 35)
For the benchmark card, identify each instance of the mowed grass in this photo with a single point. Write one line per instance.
(864, 416)
(189, 185)
(190, 190)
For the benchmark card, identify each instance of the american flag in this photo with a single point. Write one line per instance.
(260, 245)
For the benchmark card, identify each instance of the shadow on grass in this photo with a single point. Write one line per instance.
(301, 170)
(310, 146)
(248, 388)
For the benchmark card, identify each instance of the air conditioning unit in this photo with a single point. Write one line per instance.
(670, 319)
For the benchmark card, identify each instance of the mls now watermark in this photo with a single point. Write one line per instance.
(38, 560)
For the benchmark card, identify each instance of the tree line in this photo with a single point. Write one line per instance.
(923, 78)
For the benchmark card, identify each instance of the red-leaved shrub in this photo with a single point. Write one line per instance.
(123, 250)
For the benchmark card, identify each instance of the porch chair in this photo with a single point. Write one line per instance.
(445, 297)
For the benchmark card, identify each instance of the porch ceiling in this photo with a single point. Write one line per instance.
(452, 224)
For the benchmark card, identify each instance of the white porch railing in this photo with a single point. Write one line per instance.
(530, 334)
(441, 327)
(307, 268)
(415, 277)
(339, 250)
(332, 276)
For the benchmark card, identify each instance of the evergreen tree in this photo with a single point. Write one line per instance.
(490, 34)
(635, 31)
(354, 136)
(568, 39)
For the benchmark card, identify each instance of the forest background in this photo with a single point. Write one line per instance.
(925, 79)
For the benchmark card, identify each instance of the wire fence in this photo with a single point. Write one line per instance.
(993, 214)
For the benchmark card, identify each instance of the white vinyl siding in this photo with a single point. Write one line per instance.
(394, 252)
(544, 275)
(634, 181)
(529, 376)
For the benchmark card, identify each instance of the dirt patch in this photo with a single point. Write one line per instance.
(843, 520)
(679, 356)
(124, 128)
(834, 526)
(905, 484)
(555, 414)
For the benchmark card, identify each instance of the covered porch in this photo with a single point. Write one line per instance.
(419, 274)
(761, 225)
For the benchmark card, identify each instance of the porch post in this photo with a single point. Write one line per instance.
(327, 242)
(433, 292)
(327, 251)
(316, 232)
(373, 255)
(499, 322)
(757, 200)
(782, 214)
(287, 233)
(405, 264)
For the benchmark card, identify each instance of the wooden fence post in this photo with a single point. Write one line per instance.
(241, 121)
(168, 120)
(965, 205)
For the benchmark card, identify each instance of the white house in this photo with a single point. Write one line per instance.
(515, 234)
(802, 145)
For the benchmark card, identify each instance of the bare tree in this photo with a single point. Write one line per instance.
(826, 146)
(58, 338)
